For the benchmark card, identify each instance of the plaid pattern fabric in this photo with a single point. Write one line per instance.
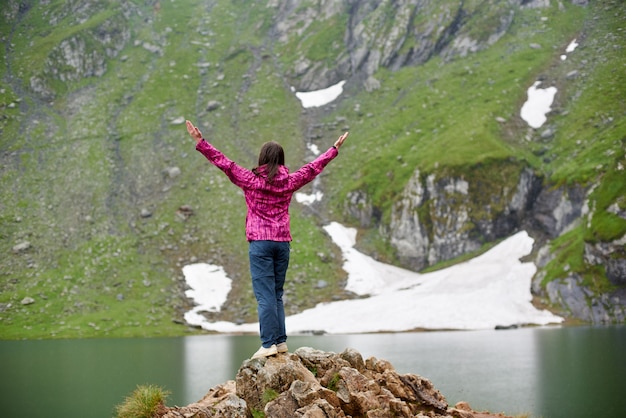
(268, 203)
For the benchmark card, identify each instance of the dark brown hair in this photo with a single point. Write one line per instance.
(273, 156)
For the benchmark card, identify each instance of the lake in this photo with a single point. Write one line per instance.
(547, 372)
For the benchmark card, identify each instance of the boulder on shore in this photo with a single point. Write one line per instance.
(313, 383)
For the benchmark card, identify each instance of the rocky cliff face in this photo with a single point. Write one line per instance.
(390, 34)
(313, 383)
(442, 218)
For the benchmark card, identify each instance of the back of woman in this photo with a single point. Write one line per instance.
(268, 189)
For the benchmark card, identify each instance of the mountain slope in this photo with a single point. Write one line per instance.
(104, 198)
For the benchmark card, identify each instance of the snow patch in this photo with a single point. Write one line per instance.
(489, 290)
(322, 97)
(308, 199)
(538, 105)
(570, 48)
(208, 288)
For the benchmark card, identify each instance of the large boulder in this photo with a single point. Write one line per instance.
(313, 383)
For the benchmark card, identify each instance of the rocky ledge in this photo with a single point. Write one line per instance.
(313, 383)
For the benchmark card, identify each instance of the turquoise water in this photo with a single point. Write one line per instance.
(545, 372)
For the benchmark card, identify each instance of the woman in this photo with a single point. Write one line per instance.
(267, 189)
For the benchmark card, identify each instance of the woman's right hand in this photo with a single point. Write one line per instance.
(194, 132)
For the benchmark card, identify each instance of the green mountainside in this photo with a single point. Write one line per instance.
(104, 198)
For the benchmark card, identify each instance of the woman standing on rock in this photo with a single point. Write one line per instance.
(268, 189)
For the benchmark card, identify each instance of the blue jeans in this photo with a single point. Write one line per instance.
(268, 266)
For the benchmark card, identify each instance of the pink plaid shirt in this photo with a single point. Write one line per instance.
(268, 203)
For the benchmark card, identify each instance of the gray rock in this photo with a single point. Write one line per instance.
(547, 133)
(358, 205)
(173, 172)
(573, 296)
(321, 284)
(572, 74)
(27, 301)
(616, 270)
(556, 209)
(40, 88)
(213, 105)
(612, 255)
(532, 4)
(21, 247)
(371, 84)
(570, 295)
(155, 49)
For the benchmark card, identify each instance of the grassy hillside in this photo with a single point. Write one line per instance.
(78, 168)
(77, 171)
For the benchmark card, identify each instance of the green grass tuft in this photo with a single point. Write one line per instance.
(142, 403)
(269, 395)
(333, 384)
(257, 414)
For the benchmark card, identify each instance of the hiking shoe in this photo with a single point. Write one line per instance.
(282, 348)
(265, 352)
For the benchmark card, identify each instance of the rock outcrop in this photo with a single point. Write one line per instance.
(440, 216)
(574, 297)
(86, 52)
(313, 383)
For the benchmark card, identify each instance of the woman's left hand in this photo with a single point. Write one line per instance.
(194, 132)
(339, 142)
